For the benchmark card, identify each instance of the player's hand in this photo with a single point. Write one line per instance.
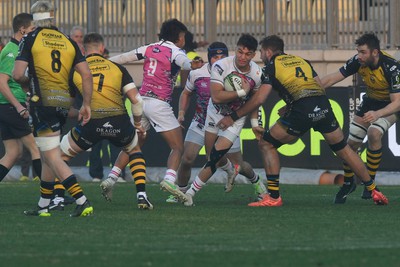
(258, 132)
(141, 132)
(181, 118)
(370, 116)
(197, 63)
(84, 114)
(23, 112)
(225, 123)
(282, 111)
(245, 85)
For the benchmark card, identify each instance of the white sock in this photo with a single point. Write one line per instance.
(170, 175)
(254, 179)
(114, 173)
(195, 186)
(44, 202)
(81, 200)
(141, 194)
(227, 166)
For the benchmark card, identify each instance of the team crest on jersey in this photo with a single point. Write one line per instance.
(156, 50)
(372, 79)
(218, 69)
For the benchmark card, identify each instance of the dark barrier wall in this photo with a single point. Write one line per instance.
(310, 151)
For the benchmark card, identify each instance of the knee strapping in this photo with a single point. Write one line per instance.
(338, 146)
(276, 143)
(357, 132)
(47, 143)
(215, 156)
(382, 125)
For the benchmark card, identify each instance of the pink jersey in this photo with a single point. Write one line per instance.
(162, 63)
(199, 82)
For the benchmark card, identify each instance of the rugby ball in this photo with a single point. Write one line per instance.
(233, 82)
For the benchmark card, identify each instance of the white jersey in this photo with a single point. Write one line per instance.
(223, 68)
(162, 63)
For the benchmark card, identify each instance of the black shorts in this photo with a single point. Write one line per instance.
(310, 112)
(368, 104)
(118, 130)
(47, 119)
(13, 125)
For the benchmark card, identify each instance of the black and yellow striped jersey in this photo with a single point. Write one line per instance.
(380, 81)
(51, 56)
(292, 77)
(109, 79)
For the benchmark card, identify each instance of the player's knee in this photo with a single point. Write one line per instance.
(215, 157)
(338, 146)
(188, 159)
(378, 129)
(66, 148)
(357, 132)
(271, 140)
(132, 145)
(47, 143)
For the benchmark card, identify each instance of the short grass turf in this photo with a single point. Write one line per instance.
(219, 231)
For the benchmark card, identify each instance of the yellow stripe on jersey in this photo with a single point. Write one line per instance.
(107, 98)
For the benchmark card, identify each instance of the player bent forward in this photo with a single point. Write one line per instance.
(110, 119)
(306, 107)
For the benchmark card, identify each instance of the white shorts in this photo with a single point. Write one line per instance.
(195, 135)
(158, 114)
(213, 117)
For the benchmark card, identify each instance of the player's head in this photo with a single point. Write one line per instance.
(271, 45)
(43, 14)
(22, 23)
(245, 51)
(370, 40)
(93, 43)
(76, 34)
(216, 51)
(174, 31)
(368, 49)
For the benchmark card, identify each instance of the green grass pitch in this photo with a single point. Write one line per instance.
(219, 231)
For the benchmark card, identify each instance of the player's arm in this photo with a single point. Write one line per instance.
(184, 101)
(131, 56)
(220, 96)
(331, 79)
(18, 73)
(388, 110)
(253, 103)
(6, 92)
(133, 95)
(87, 89)
(256, 123)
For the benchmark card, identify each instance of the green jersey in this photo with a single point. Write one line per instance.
(7, 60)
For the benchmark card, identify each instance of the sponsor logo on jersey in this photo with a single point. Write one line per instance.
(107, 125)
(218, 69)
(55, 44)
(52, 35)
